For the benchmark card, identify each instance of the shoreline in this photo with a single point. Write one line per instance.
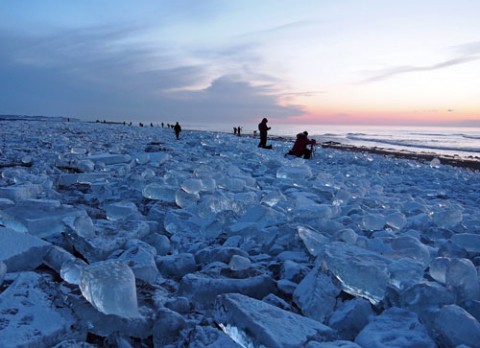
(455, 161)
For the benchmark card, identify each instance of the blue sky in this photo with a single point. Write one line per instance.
(338, 61)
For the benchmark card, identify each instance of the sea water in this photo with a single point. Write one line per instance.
(461, 141)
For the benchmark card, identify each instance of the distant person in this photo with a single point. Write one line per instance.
(239, 130)
(263, 129)
(300, 147)
(177, 130)
(163, 124)
(234, 130)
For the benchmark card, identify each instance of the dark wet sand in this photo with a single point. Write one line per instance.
(456, 161)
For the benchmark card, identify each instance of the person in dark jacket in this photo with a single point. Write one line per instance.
(300, 148)
(263, 128)
(177, 130)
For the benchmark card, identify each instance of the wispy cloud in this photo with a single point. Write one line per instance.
(399, 70)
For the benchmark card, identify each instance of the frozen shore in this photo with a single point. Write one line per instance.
(113, 235)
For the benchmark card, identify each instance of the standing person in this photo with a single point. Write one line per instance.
(177, 130)
(239, 129)
(300, 149)
(263, 128)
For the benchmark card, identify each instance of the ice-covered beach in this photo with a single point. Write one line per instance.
(122, 236)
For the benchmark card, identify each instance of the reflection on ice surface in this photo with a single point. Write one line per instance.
(137, 239)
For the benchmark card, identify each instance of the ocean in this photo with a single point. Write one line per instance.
(461, 141)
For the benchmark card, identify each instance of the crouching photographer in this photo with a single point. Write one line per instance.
(300, 147)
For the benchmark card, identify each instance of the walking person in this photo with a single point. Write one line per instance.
(263, 129)
(177, 130)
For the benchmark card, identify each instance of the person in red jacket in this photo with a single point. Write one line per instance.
(300, 149)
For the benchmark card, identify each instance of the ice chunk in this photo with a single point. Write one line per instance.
(110, 287)
(374, 222)
(447, 218)
(410, 247)
(435, 163)
(351, 317)
(438, 269)
(192, 186)
(298, 172)
(405, 272)
(396, 220)
(272, 198)
(457, 327)
(71, 269)
(266, 324)
(121, 210)
(176, 266)
(395, 327)
(360, 271)
(142, 262)
(44, 218)
(159, 192)
(468, 241)
(184, 199)
(316, 295)
(3, 270)
(425, 297)
(239, 263)
(20, 251)
(462, 276)
(313, 240)
(110, 159)
(203, 289)
(21, 192)
(346, 235)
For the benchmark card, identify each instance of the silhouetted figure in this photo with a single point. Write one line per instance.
(234, 130)
(151, 124)
(300, 148)
(263, 128)
(163, 124)
(177, 130)
(239, 130)
(254, 133)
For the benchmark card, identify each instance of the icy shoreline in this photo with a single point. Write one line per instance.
(122, 236)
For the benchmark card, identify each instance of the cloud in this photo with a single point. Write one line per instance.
(106, 73)
(389, 73)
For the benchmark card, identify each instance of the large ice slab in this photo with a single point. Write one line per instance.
(20, 251)
(269, 325)
(29, 318)
(44, 217)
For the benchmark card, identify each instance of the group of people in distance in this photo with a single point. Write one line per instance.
(300, 147)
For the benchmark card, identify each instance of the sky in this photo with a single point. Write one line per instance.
(348, 62)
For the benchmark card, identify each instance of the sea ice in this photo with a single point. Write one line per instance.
(109, 286)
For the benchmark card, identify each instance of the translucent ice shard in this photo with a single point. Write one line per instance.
(313, 240)
(361, 272)
(109, 286)
(159, 192)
